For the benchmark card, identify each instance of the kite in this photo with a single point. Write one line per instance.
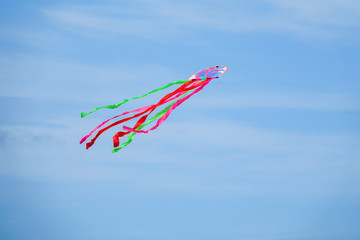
(188, 88)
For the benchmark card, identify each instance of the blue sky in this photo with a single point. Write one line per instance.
(268, 151)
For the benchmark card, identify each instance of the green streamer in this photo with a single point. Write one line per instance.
(127, 100)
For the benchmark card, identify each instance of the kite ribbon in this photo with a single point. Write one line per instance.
(183, 88)
(142, 119)
(116, 137)
(161, 114)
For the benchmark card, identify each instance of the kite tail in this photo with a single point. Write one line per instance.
(162, 115)
(170, 108)
(184, 88)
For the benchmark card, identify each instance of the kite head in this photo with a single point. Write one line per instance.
(210, 72)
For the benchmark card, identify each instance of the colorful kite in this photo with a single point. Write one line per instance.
(191, 86)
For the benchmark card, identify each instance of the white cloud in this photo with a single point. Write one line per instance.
(56, 154)
(335, 13)
(163, 19)
(204, 134)
(29, 76)
(186, 22)
(30, 35)
(288, 99)
(26, 76)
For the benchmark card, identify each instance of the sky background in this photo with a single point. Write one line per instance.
(270, 150)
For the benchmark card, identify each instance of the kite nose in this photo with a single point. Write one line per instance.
(221, 68)
(217, 71)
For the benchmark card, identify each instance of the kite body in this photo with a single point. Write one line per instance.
(188, 88)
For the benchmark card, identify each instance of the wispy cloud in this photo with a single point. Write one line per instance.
(336, 13)
(238, 135)
(56, 79)
(190, 22)
(288, 99)
(30, 76)
(277, 151)
(163, 19)
(30, 35)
